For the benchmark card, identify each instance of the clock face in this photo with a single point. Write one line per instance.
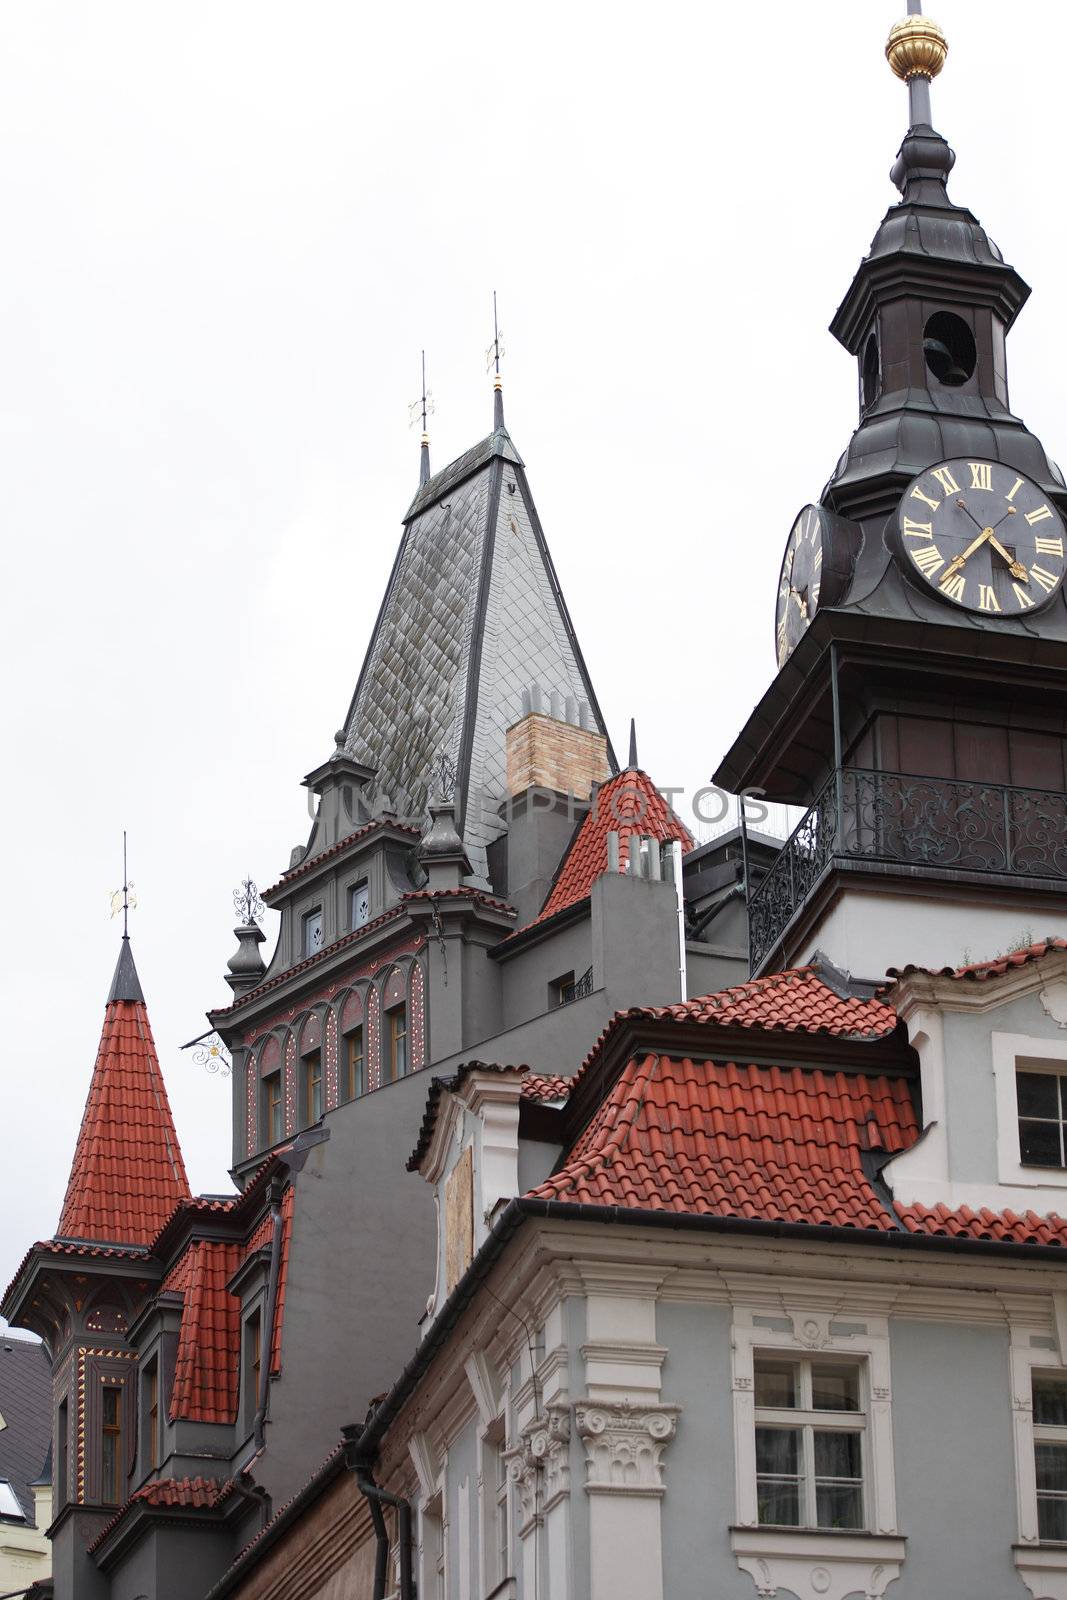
(981, 536)
(800, 583)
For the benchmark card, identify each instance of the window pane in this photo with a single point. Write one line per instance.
(1052, 1517)
(1037, 1094)
(837, 1455)
(775, 1384)
(1051, 1466)
(835, 1388)
(1039, 1143)
(1050, 1400)
(838, 1506)
(777, 1450)
(778, 1502)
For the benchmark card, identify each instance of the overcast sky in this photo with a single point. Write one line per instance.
(228, 228)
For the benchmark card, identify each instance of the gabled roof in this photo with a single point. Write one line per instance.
(128, 1173)
(628, 805)
(26, 1407)
(472, 616)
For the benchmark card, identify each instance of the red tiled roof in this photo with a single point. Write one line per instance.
(1029, 1228)
(795, 1001)
(760, 1142)
(536, 1087)
(199, 1494)
(128, 1173)
(206, 1368)
(463, 892)
(995, 967)
(628, 804)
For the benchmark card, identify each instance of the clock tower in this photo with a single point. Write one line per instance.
(919, 713)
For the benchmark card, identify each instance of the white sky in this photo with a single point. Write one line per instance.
(228, 227)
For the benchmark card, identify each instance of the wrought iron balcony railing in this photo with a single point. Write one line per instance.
(938, 824)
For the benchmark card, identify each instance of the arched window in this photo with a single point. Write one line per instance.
(272, 1100)
(395, 1044)
(312, 1098)
(353, 1049)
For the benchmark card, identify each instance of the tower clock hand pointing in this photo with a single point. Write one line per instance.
(1015, 567)
(976, 544)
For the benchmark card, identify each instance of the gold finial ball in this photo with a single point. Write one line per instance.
(916, 48)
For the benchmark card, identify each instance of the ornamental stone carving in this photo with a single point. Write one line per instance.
(539, 1465)
(625, 1445)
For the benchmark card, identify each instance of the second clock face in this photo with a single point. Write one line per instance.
(983, 537)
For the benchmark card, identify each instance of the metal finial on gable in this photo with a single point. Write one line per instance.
(422, 408)
(492, 359)
(632, 762)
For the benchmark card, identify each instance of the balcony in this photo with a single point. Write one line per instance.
(938, 825)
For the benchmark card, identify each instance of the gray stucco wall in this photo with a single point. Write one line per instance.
(700, 1501)
(952, 1442)
(168, 1565)
(361, 1266)
(463, 1528)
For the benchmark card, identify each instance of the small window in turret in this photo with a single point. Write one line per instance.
(949, 348)
(870, 376)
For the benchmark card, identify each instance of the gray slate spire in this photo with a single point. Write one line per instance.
(125, 985)
(472, 612)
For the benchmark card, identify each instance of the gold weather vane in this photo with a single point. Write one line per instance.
(124, 899)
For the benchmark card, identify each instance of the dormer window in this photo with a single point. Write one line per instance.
(359, 904)
(1042, 1098)
(313, 936)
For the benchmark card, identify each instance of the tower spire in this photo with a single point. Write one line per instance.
(916, 51)
(422, 408)
(495, 351)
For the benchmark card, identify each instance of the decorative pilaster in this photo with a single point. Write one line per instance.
(539, 1465)
(625, 1445)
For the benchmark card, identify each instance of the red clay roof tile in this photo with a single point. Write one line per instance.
(628, 804)
(985, 1224)
(768, 1142)
(206, 1368)
(995, 967)
(128, 1173)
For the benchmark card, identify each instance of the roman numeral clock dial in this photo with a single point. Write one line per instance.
(819, 557)
(979, 535)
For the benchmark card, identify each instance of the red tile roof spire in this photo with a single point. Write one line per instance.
(128, 1173)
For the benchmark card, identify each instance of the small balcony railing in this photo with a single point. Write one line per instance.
(938, 824)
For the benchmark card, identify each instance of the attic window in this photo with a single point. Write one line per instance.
(949, 348)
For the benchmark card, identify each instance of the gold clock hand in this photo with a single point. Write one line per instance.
(976, 544)
(1016, 568)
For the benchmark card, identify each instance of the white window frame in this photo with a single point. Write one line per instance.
(1021, 1052)
(1042, 1567)
(817, 1563)
(495, 1511)
(805, 1420)
(433, 1553)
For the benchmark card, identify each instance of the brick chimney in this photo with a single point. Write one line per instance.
(555, 759)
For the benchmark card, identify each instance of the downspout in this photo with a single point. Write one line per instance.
(268, 1330)
(376, 1497)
